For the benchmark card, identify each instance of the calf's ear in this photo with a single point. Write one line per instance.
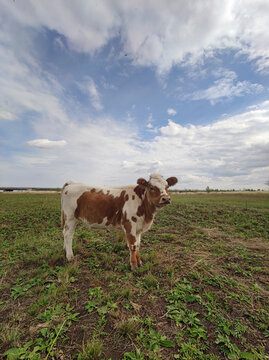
(171, 181)
(142, 182)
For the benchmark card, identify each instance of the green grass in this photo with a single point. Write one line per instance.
(202, 292)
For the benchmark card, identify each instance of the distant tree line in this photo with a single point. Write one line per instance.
(208, 190)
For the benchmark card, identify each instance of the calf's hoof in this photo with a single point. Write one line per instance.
(133, 267)
(70, 258)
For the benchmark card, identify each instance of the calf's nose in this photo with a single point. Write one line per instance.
(165, 200)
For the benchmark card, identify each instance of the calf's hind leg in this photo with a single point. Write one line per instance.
(68, 232)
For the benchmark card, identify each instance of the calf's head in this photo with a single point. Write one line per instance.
(157, 189)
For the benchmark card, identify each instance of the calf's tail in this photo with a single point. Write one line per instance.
(63, 216)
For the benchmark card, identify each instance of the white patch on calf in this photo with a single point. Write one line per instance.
(158, 181)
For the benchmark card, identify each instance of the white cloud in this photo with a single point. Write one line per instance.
(160, 34)
(142, 166)
(105, 152)
(171, 111)
(89, 87)
(212, 152)
(7, 115)
(150, 120)
(95, 96)
(150, 127)
(24, 87)
(226, 87)
(46, 144)
(37, 162)
(209, 154)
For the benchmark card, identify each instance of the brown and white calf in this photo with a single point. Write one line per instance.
(131, 208)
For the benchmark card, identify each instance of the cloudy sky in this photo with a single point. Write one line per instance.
(107, 91)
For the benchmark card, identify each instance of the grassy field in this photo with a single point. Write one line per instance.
(202, 293)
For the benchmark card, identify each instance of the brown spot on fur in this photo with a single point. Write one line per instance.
(94, 206)
(154, 195)
(66, 192)
(133, 197)
(134, 219)
(66, 227)
(139, 190)
(142, 182)
(131, 239)
(146, 209)
(126, 223)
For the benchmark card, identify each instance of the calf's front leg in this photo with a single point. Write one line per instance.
(134, 244)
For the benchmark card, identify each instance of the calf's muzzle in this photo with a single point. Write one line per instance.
(165, 200)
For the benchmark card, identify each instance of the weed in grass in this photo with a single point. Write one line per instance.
(197, 332)
(153, 257)
(131, 356)
(211, 303)
(20, 289)
(150, 282)
(10, 335)
(126, 293)
(220, 281)
(95, 293)
(236, 269)
(94, 264)
(190, 351)
(53, 313)
(107, 261)
(23, 352)
(108, 308)
(95, 296)
(35, 307)
(129, 327)
(230, 350)
(169, 271)
(151, 339)
(183, 291)
(91, 350)
(239, 329)
(181, 315)
(244, 299)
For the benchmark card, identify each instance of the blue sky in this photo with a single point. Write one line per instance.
(106, 92)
